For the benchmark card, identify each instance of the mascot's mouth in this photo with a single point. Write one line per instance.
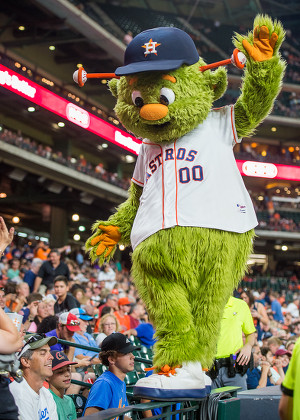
(155, 124)
(161, 125)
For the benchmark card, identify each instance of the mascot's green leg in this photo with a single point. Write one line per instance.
(220, 267)
(185, 277)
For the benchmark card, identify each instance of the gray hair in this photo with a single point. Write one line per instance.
(36, 262)
(27, 355)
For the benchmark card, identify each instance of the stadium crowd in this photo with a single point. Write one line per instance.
(59, 297)
(79, 164)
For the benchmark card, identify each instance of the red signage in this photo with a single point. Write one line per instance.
(39, 95)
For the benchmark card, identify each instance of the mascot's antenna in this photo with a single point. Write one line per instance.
(80, 76)
(238, 59)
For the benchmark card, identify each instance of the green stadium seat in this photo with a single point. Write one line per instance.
(146, 352)
(140, 369)
(99, 369)
(79, 402)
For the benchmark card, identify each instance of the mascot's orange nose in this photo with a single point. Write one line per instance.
(153, 112)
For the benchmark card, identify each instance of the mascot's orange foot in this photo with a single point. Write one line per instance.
(180, 383)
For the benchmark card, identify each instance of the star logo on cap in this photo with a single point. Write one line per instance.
(150, 47)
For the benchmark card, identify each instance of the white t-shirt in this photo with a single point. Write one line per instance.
(193, 181)
(109, 277)
(33, 406)
(293, 310)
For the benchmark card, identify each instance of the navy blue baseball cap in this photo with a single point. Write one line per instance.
(158, 49)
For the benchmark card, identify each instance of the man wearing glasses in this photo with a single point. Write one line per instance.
(33, 400)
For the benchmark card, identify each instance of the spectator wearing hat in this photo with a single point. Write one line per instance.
(282, 359)
(122, 313)
(59, 382)
(49, 270)
(109, 390)
(33, 400)
(65, 301)
(83, 337)
(66, 327)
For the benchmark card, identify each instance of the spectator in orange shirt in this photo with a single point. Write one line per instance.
(122, 314)
(42, 250)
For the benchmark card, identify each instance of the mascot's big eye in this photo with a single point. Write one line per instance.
(137, 98)
(167, 96)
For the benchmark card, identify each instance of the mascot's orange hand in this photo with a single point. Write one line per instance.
(263, 46)
(108, 239)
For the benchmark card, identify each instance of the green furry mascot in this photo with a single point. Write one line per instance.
(188, 217)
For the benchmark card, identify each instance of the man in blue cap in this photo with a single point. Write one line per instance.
(83, 337)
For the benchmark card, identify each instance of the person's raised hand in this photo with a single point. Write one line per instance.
(6, 236)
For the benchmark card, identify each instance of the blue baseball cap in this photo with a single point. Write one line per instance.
(158, 49)
(80, 313)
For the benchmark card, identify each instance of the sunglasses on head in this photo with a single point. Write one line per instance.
(34, 338)
(72, 323)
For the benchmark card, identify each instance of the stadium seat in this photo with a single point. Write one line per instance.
(140, 369)
(146, 352)
(99, 369)
(79, 401)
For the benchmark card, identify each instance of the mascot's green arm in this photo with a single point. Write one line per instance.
(126, 212)
(261, 82)
(123, 219)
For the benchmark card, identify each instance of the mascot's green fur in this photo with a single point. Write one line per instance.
(185, 275)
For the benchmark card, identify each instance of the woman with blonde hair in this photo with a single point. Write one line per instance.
(108, 325)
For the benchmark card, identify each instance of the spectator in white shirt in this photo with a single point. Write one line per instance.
(33, 400)
(109, 276)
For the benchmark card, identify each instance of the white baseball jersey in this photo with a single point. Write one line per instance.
(193, 181)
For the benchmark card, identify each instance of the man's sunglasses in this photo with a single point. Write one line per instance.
(72, 323)
(34, 338)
